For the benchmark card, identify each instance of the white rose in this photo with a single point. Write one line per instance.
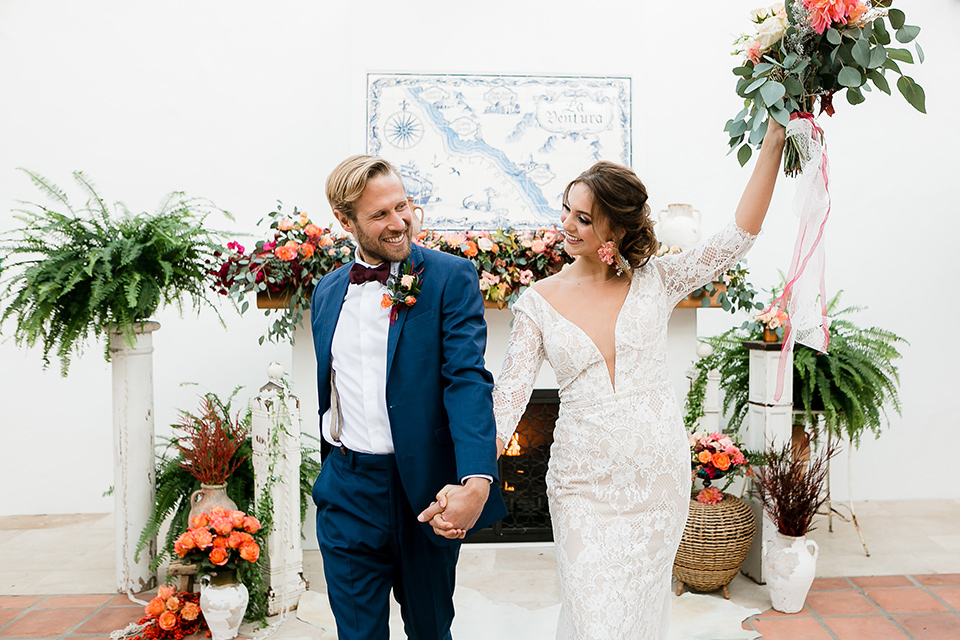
(485, 244)
(770, 32)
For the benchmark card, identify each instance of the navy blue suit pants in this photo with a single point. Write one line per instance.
(371, 542)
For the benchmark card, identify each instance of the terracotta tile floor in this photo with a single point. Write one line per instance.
(921, 607)
(918, 607)
(87, 617)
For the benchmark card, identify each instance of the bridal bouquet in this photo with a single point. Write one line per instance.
(804, 51)
(714, 456)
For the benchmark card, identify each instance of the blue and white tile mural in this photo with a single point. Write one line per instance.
(487, 151)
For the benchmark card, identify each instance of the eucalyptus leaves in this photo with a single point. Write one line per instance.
(805, 50)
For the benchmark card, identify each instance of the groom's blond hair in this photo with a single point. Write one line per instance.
(346, 183)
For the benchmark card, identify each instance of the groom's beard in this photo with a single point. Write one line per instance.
(375, 250)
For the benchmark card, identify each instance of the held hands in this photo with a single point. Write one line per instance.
(457, 508)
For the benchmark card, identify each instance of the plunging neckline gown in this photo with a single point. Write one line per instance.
(618, 482)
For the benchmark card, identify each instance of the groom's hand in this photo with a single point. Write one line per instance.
(457, 508)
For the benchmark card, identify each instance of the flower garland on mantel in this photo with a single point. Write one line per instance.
(286, 267)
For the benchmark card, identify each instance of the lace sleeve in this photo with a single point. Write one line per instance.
(519, 373)
(688, 270)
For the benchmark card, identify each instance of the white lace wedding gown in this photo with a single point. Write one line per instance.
(618, 482)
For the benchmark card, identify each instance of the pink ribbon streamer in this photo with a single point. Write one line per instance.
(805, 279)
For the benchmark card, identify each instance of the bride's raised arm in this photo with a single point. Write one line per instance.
(759, 190)
(517, 377)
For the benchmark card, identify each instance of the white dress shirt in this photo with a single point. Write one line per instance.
(359, 359)
(358, 356)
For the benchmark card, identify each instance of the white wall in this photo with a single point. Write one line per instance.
(245, 103)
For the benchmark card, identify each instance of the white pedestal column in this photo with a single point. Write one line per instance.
(768, 422)
(133, 455)
(276, 466)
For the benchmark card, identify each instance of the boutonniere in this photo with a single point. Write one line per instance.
(404, 289)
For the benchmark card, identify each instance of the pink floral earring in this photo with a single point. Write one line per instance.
(610, 255)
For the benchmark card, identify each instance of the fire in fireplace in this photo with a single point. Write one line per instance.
(523, 471)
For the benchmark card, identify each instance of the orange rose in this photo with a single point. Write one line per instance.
(167, 620)
(251, 524)
(190, 612)
(385, 303)
(173, 603)
(156, 606)
(245, 538)
(186, 541)
(223, 526)
(286, 224)
(471, 249)
(409, 301)
(203, 538)
(286, 252)
(199, 520)
(219, 556)
(234, 541)
(311, 230)
(166, 592)
(721, 461)
(250, 552)
(306, 250)
(704, 457)
(220, 542)
(326, 241)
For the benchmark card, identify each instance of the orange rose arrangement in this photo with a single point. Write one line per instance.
(219, 540)
(715, 456)
(171, 614)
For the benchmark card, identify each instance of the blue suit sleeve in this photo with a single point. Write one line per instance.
(468, 386)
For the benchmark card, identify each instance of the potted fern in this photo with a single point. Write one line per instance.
(852, 386)
(73, 271)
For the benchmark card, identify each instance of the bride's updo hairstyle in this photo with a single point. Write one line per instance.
(621, 198)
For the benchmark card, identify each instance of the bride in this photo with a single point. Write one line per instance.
(618, 482)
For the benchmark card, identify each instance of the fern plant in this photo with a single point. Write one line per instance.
(72, 271)
(853, 385)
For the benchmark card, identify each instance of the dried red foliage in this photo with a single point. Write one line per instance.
(791, 488)
(208, 442)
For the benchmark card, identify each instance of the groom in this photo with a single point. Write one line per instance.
(406, 405)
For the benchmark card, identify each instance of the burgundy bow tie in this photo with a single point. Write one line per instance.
(360, 274)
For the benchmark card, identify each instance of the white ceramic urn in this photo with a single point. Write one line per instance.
(679, 226)
(223, 607)
(789, 566)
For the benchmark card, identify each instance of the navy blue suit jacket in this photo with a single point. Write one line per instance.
(438, 390)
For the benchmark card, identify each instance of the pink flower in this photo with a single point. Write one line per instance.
(710, 495)
(285, 225)
(407, 280)
(537, 245)
(606, 251)
(526, 276)
(823, 13)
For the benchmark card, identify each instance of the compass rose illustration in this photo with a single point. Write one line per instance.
(403, 129)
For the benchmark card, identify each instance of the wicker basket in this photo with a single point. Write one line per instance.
(714, 544)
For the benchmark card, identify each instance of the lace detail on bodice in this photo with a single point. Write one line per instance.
(619, 475)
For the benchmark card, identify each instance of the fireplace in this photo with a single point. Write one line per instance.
(523, 470)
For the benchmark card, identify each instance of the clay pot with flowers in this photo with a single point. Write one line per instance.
(720, 526)
(219, 542)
